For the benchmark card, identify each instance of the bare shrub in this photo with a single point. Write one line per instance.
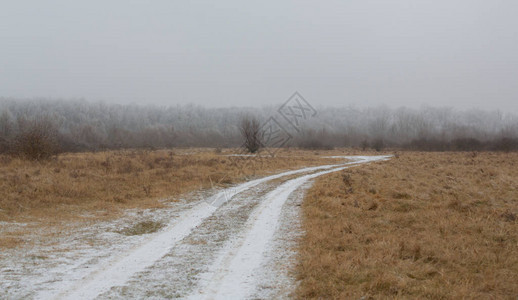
(378, 145)
(37, 140)
(251, 133)
(364, 145)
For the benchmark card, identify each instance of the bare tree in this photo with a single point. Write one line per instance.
(251, 133)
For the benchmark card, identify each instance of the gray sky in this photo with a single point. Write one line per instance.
(219, 53)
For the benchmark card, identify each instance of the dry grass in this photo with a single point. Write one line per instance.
(9, 242)
(424, 225)
(105, 182)
(143, 227)
(88, 186)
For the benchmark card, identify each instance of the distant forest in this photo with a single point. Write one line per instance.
(73, 126)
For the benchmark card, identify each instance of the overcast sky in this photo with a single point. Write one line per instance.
(220, 53)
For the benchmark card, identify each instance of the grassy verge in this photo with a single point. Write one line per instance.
(423, 225)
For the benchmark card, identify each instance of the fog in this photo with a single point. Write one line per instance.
(461, 54)
(72, 126)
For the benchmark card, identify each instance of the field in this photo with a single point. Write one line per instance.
(90, 186)
(422, 225)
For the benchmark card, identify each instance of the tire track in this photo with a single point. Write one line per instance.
(122, 269)
(233, 275)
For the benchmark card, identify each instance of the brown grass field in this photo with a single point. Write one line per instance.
(422, 225)
(88, 186)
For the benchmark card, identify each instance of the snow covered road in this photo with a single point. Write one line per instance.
(221, 247)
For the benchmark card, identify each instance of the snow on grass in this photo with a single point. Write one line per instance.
(90, 261)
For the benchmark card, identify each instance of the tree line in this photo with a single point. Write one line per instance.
(53, 126)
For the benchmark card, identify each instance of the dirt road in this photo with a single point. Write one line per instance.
(235, 244)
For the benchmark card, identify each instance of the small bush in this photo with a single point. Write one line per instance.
(37, 140)
(378, 145)
(364, 145)
(251, 133)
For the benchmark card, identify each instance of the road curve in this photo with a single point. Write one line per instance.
(228, 273)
